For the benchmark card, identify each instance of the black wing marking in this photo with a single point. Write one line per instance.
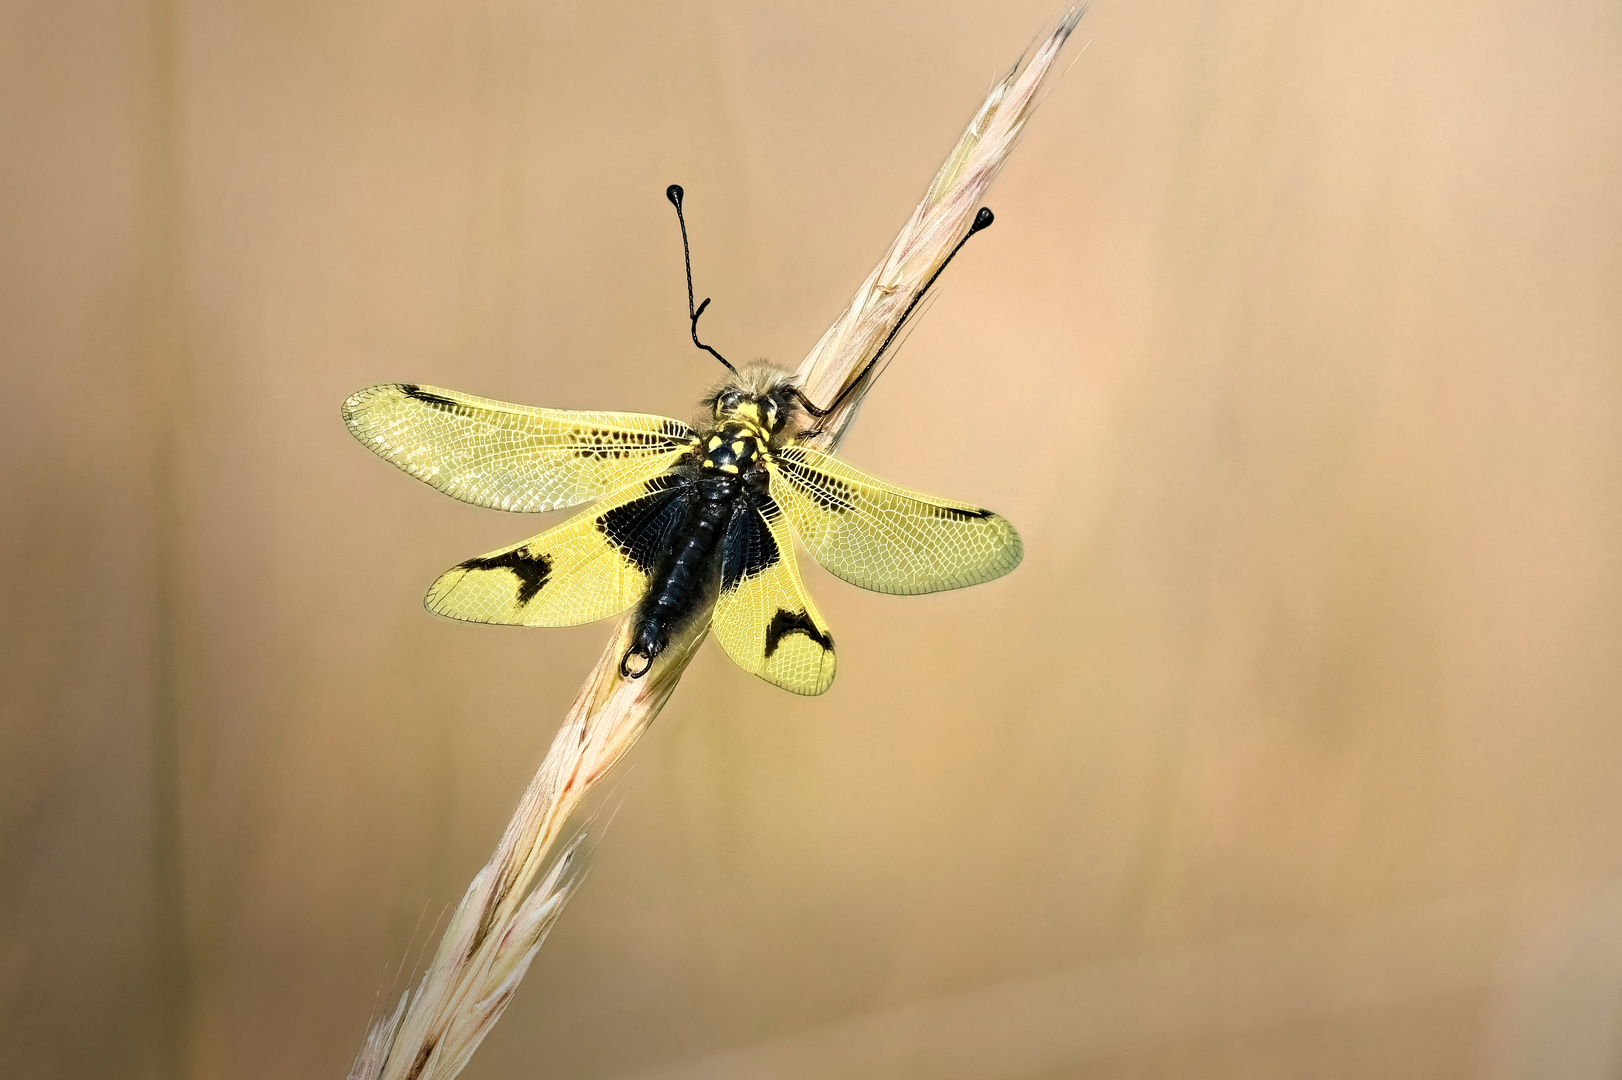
(594, 565)
(763, 617)
(511, 457)
(887, 538)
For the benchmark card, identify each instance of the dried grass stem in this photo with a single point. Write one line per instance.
(510, 905)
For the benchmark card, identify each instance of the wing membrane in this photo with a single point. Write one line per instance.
(763, 617)
(592, 566)
(511, 457)
(886, 538)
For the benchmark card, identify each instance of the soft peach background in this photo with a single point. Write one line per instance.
(1293, 749)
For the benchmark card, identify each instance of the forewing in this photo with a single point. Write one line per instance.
(511, 457)
(763, 617)
(594, 565)
(886, 538)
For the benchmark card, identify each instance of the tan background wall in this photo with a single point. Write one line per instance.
(1293, 749)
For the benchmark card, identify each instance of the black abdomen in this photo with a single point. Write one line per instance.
(685, 577)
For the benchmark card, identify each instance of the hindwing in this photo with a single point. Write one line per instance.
(763, 617)
(594, 565)
(886, 538)
(511, 457)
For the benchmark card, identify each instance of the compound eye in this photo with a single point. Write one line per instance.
(730, 400)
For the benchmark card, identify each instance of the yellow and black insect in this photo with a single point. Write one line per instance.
(695, 519)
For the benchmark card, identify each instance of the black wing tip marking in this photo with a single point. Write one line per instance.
(966, 513)
(787, 622)
(836, 496)
(530, 570)
(433, 400)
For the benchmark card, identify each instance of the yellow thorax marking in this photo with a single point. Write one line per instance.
(735, 426)
(735, 446)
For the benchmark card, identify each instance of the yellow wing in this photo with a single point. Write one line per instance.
(592, 566)
(886, 538)
(511, 457)
(763, 617)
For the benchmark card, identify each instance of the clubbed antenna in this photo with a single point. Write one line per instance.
(982, 220)
(674, 194)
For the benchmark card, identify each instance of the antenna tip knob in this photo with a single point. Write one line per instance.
(674, 194)
(983, 219)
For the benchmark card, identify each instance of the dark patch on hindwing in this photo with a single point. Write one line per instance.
(749, 548)
(435, 401)
(641, 528)
(785, 623)
(530, 570)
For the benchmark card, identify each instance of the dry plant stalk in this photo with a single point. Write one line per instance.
(939, 222)
(506, 913)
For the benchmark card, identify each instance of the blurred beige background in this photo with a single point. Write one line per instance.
(1294, 748)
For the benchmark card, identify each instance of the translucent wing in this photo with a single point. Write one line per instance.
(763, 617)
(592, 566)
(886, 538)
(511, 457)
